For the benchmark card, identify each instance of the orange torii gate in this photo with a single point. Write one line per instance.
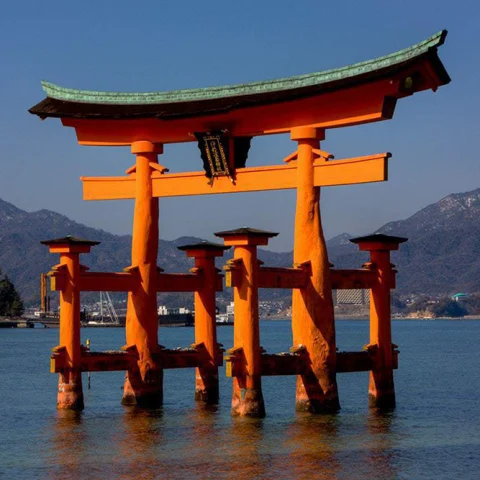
(224, 120)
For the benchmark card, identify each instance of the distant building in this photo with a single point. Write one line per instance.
(163, 310)
(458, 297)
(231, 308)
(358, 296)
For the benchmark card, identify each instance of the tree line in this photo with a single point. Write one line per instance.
(11, 305)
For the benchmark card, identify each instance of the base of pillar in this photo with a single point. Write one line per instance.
(381, 389)
(206, 386)
(248, 402)
(70, 393)
(318, 406)
(382, 402)
(207, 395)
(311, 398)
(141, 394)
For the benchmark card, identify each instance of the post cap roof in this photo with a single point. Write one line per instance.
(380, 238)
(69, 240)
(247, 231)
(203, 245)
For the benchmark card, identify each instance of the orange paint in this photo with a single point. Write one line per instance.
(70, 393)
(381, 390)
(312, 306)
(144, 385)
(206, 376)
(370, 168)
(306, 113)
(247, 397)
(359, 104)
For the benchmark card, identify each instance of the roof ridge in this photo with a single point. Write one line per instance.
(241, 89)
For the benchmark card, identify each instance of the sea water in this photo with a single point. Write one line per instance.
(434, 433)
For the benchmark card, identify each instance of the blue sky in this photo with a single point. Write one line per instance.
(159, 45)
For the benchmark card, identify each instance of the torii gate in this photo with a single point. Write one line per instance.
(223, 120)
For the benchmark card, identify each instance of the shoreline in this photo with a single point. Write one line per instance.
(22, 322)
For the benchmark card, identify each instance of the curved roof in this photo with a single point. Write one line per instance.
(66, 102)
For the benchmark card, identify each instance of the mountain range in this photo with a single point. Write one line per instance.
(442, 255)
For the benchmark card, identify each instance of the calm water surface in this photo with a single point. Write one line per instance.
(432, 434)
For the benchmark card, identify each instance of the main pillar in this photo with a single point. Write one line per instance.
(381, 390)
(144, 383)
(247, 397)
(206, 376)
(70, 393)
(313, 321)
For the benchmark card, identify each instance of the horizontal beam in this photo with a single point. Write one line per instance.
(370, 102)
(360, 361)
(352, 278)
(298, 363)
(185, 282)
(354, 362)
(282, 277)
(283, 364)
(372, 168)
(268, 277)
(108, 282)
(118, 360)
(179, 282)
(129, 282)
(271, 364)
(185, 358)
(97, 281)
(96, 361)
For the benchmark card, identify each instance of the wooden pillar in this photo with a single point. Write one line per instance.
(247, 397)
(43, 293)
(144, 384)
(206, 376)
(70, 393)
(313, 322)
(381, 390)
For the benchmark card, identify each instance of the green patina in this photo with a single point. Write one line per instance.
(210, 93)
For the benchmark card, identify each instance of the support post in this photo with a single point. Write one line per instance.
(206, 376)
(313, 321)
(247, 397)
(144, 383)
(381, 390)
(70, 392)
(43, 293)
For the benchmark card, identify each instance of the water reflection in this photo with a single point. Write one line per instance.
(68, 445)
(380, 444)
(247, 453)
(205, 443)
(139, 443)
(310, 445)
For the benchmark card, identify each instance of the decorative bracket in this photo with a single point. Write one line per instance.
(156, 167)
(322, 154)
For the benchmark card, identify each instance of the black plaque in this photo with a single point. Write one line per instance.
(214, 150)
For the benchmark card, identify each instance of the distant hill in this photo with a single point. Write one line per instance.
(23, 258)
(441, 256)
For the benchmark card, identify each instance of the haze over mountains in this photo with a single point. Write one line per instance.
(442, 255)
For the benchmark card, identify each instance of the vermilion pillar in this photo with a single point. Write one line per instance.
(247, 397)
(144, 384)
(313, 322)
(70, 393)
(381, 390)
(206, 377)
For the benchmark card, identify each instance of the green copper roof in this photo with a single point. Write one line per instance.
(244, 89)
